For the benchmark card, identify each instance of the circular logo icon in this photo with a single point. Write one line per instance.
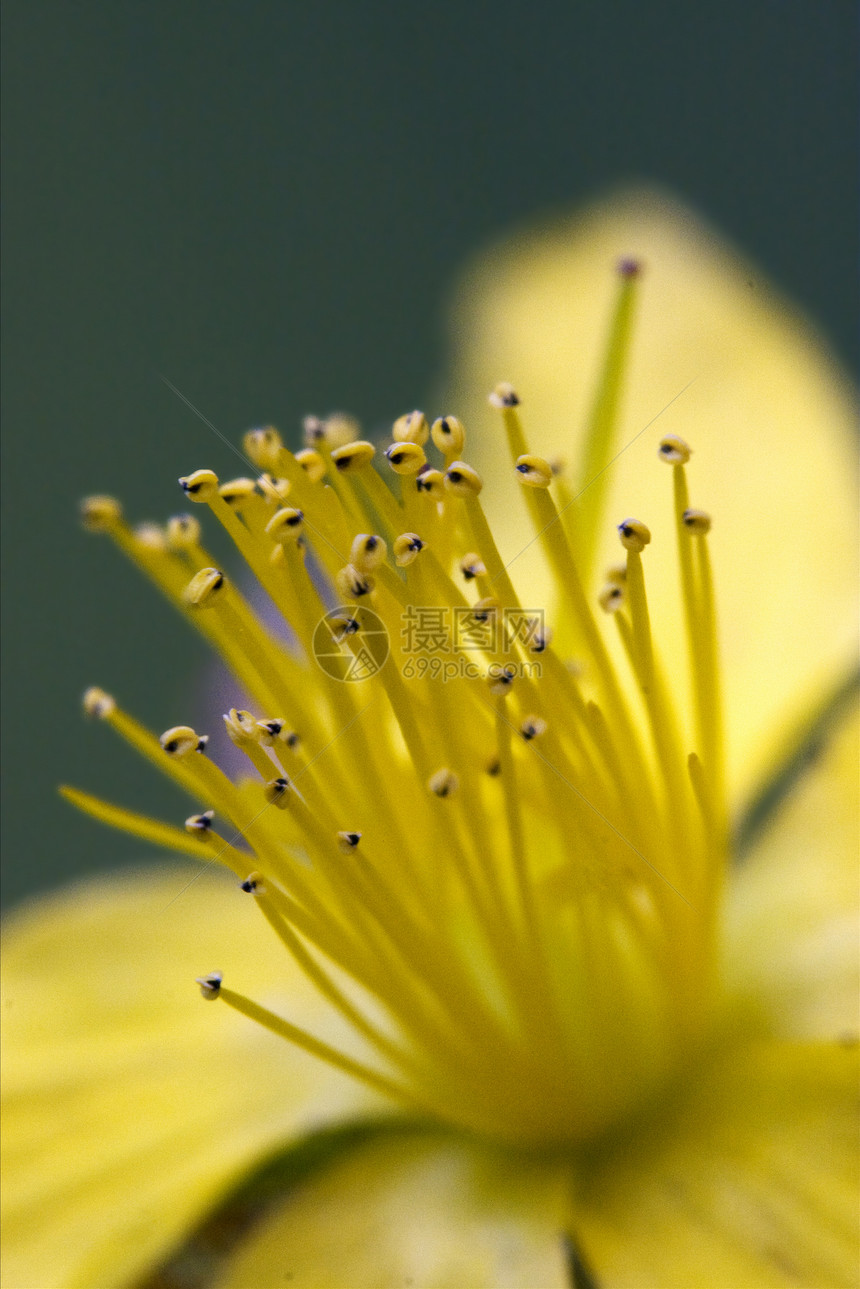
(351, 643)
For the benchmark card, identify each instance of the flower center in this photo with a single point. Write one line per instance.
(500, 866)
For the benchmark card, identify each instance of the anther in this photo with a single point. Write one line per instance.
(313, 429)
(202, 485)
(241, 726)
(285, 526)
(181, 740)
(238, 492)
(343, 625)
(472, 566)
(628, 267)
(504, 395)
(254, 884)
(539, 636)
(407, 547)
(444, 783)
(183, 532)
(98, 703)
(430, 481)
(210, 986)
(200, 823)
(611, 597)
(263, 446)
(203, 586)
(151, 536)
(352, 583)
(449, 435)
(462, 480)
(617, 574)
(278, 792)
(405, 458)
(348, 841)
(312, 464)
(341, 428)
(484, 610)
(634, 535)
(493, 767)
(271, 732)
(411, 428)
(697, 522)
(353, 456)
(500, 679)
(368, 552)
(273, 489)
(674, 450)
(100, 514)
(532, 727)
(534, 471)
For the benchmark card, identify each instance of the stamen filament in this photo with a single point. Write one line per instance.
(661, 717)
(591, 486)
(711, 704)
(384, 503)
(700, 620)
(155, 831)
(513, 816)
(293, 1034)
(321, 979)
(484, 543)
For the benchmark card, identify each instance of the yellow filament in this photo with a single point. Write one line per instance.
(293, 1034)
(145, 742)
(592, 482)
(258, 758)
(383, 502)
(700, 620)
(319, 977)
(485, 545)
(711, 700)
(661, 717)
(207, 850)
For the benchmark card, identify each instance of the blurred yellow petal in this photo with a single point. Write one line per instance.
(751, 1185)
(128, 1105)
(792, 949)
(420, 1211)
(718, 359)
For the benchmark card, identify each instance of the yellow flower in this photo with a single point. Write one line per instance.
(569, 1036)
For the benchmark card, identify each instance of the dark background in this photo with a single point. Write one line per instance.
(269, 204)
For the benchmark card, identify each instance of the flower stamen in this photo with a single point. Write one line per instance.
(485, 859)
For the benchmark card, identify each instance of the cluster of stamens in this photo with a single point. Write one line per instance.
(487, 874)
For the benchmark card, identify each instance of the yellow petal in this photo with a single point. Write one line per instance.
(769, 417)
(417, 1211)
(129, 1104)
(792, 948)
(752, 1185)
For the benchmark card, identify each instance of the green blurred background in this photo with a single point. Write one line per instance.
(269, 203)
